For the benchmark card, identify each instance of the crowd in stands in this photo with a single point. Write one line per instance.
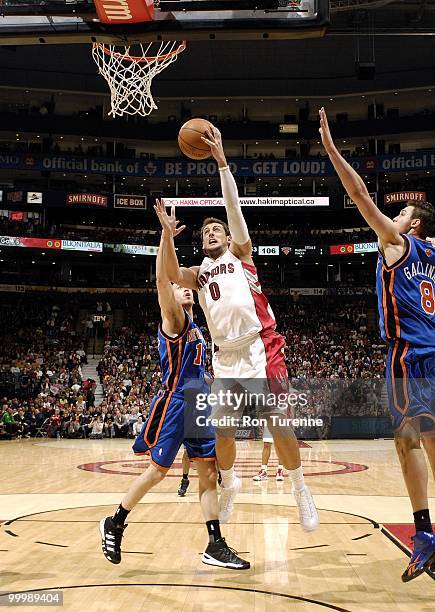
(334, 356)
(129, 369)
(41, 359)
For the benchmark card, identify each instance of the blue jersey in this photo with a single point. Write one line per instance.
(406, 294)
(182, 359)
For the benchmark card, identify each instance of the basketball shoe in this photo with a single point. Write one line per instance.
(226, 500)
(184, 485)
(262, 475)
(279, 475)
(111, 536)
(308, 517)
(423, 556)
(221, 555)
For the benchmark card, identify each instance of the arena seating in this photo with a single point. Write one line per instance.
(334, 355)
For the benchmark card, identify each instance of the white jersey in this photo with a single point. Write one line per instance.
(234, 305)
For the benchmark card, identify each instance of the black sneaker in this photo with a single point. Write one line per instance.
(220, 554)
(184, 485)
(111, 536)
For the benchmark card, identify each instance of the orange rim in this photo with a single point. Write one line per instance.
(151, 58)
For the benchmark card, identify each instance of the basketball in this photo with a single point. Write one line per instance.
(189, 138)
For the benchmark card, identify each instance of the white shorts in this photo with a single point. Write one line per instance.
(259, 368)
(267, 436)
(262, 357)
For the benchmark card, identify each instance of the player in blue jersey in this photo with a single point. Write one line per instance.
(182, 353)
(406, 297)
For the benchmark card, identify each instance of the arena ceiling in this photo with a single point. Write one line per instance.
(395, 35)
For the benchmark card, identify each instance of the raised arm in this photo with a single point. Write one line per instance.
(356, 189)
(241, 244)
(172, 313)
(184, 277)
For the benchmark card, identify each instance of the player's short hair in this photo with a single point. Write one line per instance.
(425, 211)
(215, 220)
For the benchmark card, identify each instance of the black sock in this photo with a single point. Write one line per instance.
(214, 530)
(120, 515)
(186, 476)
(422, 521)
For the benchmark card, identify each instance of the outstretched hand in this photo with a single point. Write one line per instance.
(324, 130)
(213, 138)
(168, 222)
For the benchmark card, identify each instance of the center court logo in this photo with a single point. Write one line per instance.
(245, 467)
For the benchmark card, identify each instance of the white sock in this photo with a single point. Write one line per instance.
(280, 467)
(297, 478)
(227, 477)
(264, 468)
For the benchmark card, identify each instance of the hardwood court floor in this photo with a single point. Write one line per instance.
(54, 492)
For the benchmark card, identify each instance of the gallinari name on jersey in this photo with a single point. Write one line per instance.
(406, 294)
(420, 269)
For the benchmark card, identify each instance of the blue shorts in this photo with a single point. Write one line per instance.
(163, 433)
(410, 374)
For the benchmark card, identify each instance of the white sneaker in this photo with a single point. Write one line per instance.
(279, 475)
(262, 475)
(226, 500)
(308, 517)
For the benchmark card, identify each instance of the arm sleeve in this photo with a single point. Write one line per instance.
(236, 222)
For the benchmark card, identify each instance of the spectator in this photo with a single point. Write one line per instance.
(55, 424)
(120, 424)
(8, 421)
(96, 426)
(137, 426)
(108, 428)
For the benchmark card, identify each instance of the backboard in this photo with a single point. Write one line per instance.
(76, 21)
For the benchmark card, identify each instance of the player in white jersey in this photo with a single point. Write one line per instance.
(242, 326)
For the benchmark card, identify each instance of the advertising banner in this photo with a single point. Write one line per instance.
(405, 196)
(33, 243)
(366, 247)
(348, 203)
(177, 167)
(133, 249)
(253, 201)
(130, 202)
(341, 249)
(80, 245)
(348, 249)
(88, 199)
(34, 197)
(51, 243)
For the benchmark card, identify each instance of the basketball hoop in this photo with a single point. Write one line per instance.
(130, 76)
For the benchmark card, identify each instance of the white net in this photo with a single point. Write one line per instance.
(130, 76)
